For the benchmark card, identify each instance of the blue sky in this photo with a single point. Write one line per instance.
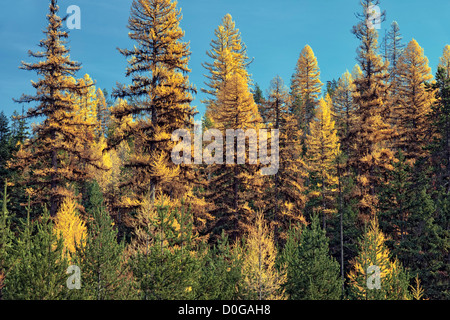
(274, 32)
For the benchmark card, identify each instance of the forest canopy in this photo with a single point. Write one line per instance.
(358, 207)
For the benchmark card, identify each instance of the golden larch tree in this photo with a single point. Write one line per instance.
(232, 186)
(374, 257)
(87, 101)
(306, 85)
(229, 55)
(102, 112)
(285, 198)
(159, 103)
(369, 136)
(414, 103)
(356, 72)
(322, 146)
(55, 157)
(70, 227)
(444, 61)
(262, 280)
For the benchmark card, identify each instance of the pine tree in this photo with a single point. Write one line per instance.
(440, 131)
(19, 130)
(163, 261)
(415, 102)
(221, 274)
(18, 133)
(394, 49)
(306, 85)
(312, 274)
(6, 237)
(344, 108)
(260, 101)
(370, 133)
(331, 88)
(423, 249)
(262, 280)
(50, 160)
(322, 149)
(396, 202)
(38, 269)
(373, 254)
(5, 146)
(101, 258)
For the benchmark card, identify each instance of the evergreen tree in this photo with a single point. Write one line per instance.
(163, 261)
(424, 247)
(18, 134)
(312, 274)
(396, 202)
(39, 267)
(221, 271)
(440, 131)
(102, 112)
(19, 128)
(6, 238)
(101, 258)
(395, 49)
(344, 108)
(331, 88)
(5, 146)
(260, 101)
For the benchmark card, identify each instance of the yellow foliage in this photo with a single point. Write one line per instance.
(414, 102)
(70, 226)
(417, 290)
(261, 278)
(306, 83)
(229, 57)
(373, 252)
(444, 61)
(322, 149)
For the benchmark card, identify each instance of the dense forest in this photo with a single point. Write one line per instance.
(94, 207)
